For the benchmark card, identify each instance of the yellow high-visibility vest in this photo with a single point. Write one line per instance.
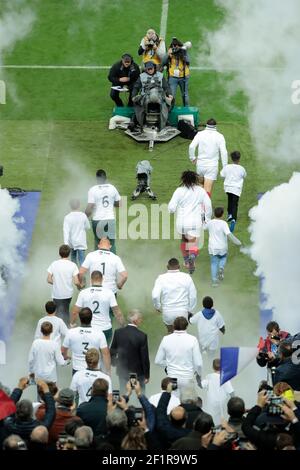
(176, 63)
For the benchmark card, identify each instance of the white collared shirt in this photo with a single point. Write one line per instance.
(211, 144)
(82, 382)
(180, 353)
(75, 225)
(174, 291)
(103, 196)
(174, 401)
(109, 264)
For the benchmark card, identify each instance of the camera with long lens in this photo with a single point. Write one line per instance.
(151, 43)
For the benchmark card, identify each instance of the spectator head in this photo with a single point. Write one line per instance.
(135, 317)
(189, 179)
(100, 388)
(72, 424)
(96, 277)
(134, 439)
(46, 328)
(203, 423)
(284, 440)
(178, 416)
(92, 358)
(219, 211)
(50, 307)
(173, 264)
(180, 324)
(104, 243)
(127, 59)
(83, 438)
(85, 316)
(64, 251)
(236, 407)
(14, 442)
(116, 419)
(207, 302)
(216, 365)
(235, 156)
(283, 388)
(39, 435)
(101, 176)
(66, 397)
(52, 389)
(74, 204)
(24, 410)
(272, 328)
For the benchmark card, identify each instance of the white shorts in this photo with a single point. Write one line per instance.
(168, 318)
(210, 172)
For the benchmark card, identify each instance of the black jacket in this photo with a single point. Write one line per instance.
(93, 414)
(129, 352)
(118, 71)
(288, 372)
(24, 428)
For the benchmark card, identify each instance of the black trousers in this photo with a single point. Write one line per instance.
(232, 207)
(115, 96)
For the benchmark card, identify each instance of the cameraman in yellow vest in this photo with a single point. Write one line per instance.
(152, 48)
(177, 62)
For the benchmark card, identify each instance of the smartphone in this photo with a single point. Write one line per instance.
(31, 381)
(138, 415)
(115, 395)
(174, 384)
(133, 379)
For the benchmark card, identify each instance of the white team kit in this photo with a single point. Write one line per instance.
(79, 340)
(109, 264)
(217, 242)
(103, 196)
(75, 225)
(59, 328)
(211, 144)
(190, 204)
(175, 294)
(44, 355)
(83, 380)
(208, 330)
(99, 299)
(234, 178)
(63, 272)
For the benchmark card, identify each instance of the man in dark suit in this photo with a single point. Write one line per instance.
(129, 352)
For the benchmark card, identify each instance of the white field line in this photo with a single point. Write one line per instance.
(164, 18)
(106, 67)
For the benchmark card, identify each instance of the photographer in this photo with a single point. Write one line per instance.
(123, 74)
(177, 62)
(268, 354)
(152, 48)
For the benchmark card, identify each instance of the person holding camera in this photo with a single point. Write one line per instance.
(268, 354)
(177, 62)
(123, 74)
(152, 48)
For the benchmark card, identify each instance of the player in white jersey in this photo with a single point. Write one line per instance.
(83, 380)
(211, 145)
(234, 175)
(62, 274)
(102, 198)
(79, 340)
(75, 225)
(191, 204)
(174, 294)
(100, 300)
(59, 326)
(109, 264)
(44, 355)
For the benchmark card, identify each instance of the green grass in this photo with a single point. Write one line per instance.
(54, 136)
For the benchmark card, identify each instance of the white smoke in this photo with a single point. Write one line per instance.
(275, 235)
(14, 25)
(259, 41)
(11, 238)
